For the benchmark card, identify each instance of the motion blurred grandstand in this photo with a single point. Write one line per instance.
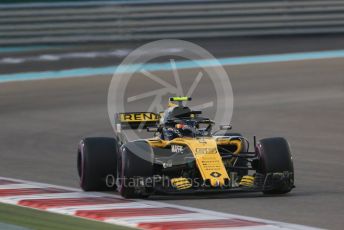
(77, 21)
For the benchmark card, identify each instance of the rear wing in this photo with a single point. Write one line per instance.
(136, 120)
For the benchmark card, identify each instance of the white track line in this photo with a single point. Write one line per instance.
(18, 186)
(16, 199)
(72, 209)
(176, 217)
(119, 53)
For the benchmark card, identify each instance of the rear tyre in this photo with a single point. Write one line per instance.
(135, 165)
(276, 161)
(97, 163)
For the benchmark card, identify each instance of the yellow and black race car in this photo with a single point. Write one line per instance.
(183, 156)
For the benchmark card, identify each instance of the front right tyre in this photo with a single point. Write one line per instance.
(275, 161)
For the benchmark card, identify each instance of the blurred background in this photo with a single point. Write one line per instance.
(68, 34)
(298, 92)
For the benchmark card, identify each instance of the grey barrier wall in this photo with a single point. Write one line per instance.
(106, 21)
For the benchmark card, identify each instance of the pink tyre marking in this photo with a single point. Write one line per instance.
(66, 202)
(129, 212)
(175, 225)
(30, 191)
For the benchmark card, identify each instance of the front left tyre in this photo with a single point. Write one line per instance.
(135, 165)
(97, 163)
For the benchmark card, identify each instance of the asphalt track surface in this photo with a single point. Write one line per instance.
(42, 122)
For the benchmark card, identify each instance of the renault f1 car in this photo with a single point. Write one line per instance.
(184, 156)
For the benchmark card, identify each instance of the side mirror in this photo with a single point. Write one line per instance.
(225, 127)
(152, 129)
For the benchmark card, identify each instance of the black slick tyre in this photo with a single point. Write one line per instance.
(97, 163)
(135, 164)
(276, 161)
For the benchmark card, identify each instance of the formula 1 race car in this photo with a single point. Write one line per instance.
(184, 156)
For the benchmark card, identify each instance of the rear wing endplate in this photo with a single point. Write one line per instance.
(136, 120)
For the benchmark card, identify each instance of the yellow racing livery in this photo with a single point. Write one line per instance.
(184, 155)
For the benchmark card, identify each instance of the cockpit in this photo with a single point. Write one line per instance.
(181, 121)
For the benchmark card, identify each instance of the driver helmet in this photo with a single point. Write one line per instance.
(170, 133)
(185, 130)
